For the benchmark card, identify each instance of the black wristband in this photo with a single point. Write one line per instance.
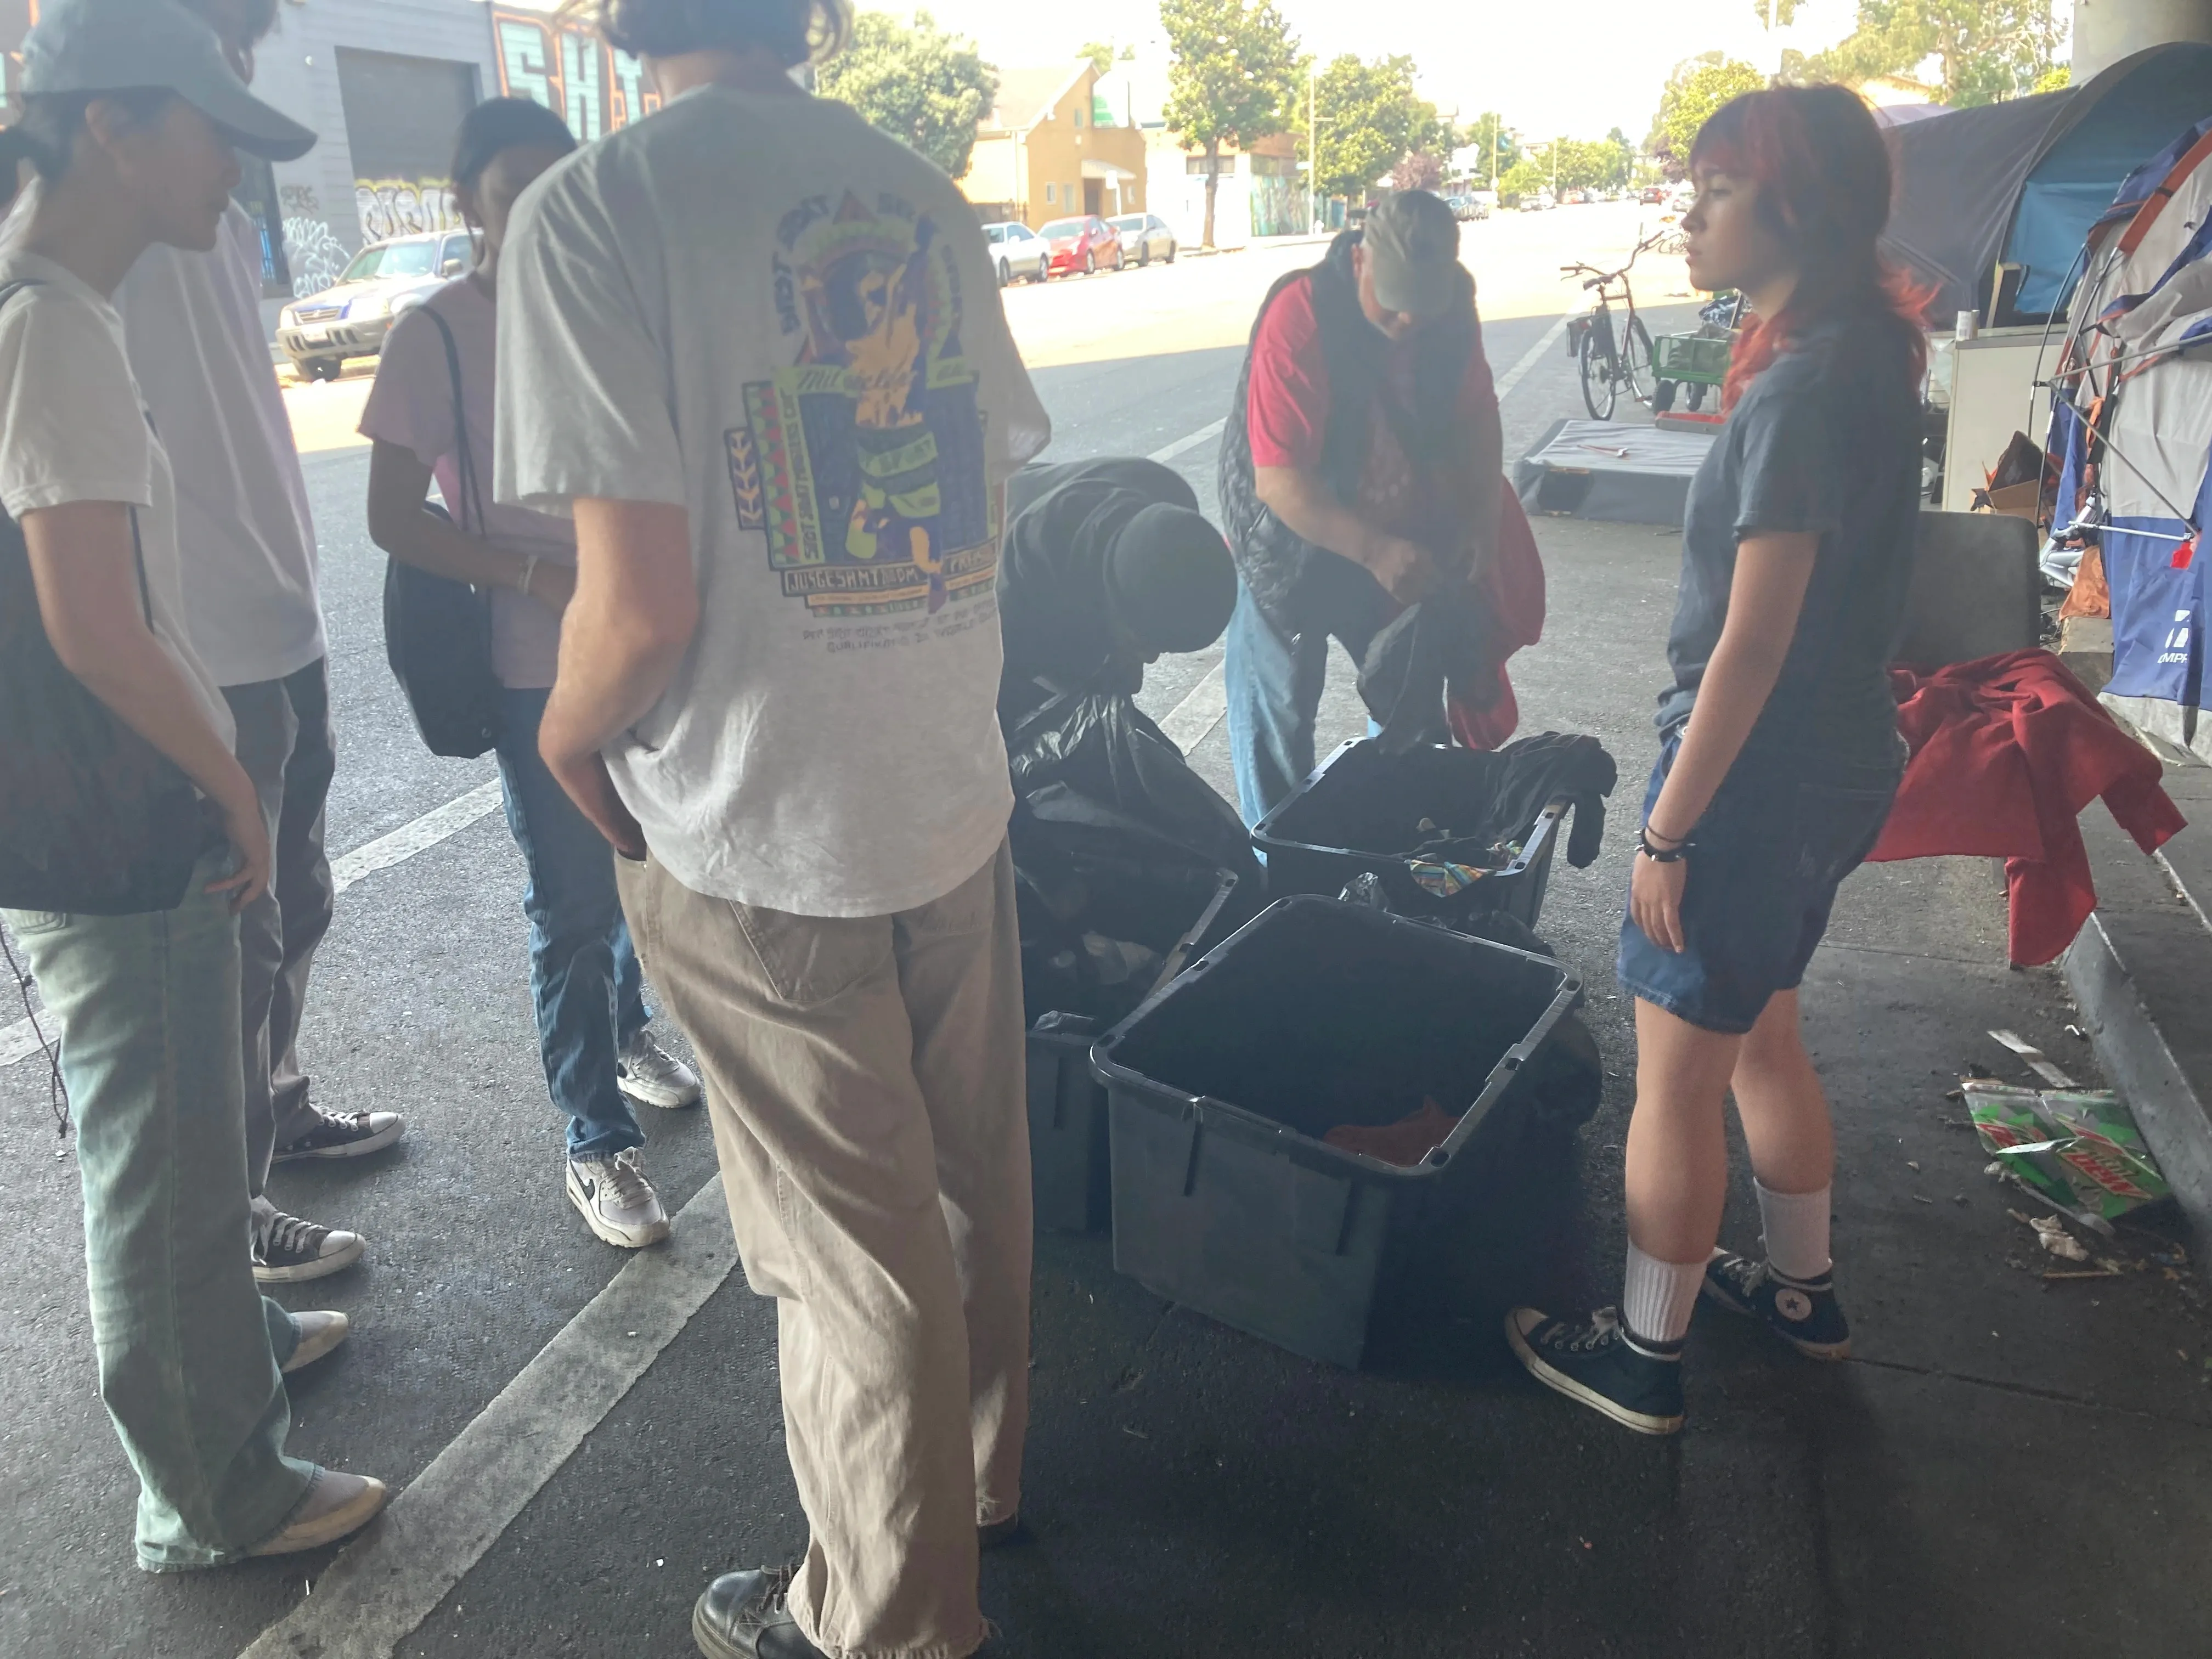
(1657, 855)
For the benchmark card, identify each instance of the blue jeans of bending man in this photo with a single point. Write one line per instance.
(1274, 685)
(584, 974)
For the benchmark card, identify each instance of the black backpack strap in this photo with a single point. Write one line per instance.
(463, 457)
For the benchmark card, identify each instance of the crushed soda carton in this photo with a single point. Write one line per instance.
(2077, 1148)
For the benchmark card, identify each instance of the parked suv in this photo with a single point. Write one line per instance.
(1148, 234)
(1017, 250)
(350, 318)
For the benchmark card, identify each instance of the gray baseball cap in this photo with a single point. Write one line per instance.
(1413, 249)
(111, 45)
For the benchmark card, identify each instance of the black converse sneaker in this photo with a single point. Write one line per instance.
(342, 1134)
(1635, 1383)
(1804, 1313)
(287, 1250)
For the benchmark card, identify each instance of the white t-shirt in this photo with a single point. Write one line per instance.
(411, 404)
(192, 322)
(759, 309)
(73, 428)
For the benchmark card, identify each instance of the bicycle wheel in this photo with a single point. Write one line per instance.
(1636, 373)
(1595, 360)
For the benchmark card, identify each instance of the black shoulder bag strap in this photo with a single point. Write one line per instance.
(463, 457)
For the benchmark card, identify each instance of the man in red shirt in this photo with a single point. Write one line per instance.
(1361, 474)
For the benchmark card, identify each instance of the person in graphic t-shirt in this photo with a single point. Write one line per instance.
(1361, 474)
(584, 974)
(755, 348)
(198, 350)
(1107, 566)
(128, 115)
(1779, 754)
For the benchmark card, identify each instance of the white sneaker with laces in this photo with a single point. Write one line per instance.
(650, 1075)
(616, 1200)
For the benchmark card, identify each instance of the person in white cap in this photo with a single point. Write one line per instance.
(130, 119)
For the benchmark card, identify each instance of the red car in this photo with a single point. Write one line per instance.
(1084, 245)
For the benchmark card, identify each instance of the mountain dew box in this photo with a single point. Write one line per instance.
(2076, 1147)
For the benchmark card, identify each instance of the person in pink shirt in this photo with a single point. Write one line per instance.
(430, 414)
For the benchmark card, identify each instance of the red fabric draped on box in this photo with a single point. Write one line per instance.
(1517, 598)
(2007, 751)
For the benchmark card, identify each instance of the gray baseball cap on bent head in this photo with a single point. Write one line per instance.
(113, 45)
(1413, 249)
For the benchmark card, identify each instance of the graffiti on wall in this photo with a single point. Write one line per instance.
(400, 207)
(315, 256)
(570, 70)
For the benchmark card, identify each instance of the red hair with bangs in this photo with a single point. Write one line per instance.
(1824, 183)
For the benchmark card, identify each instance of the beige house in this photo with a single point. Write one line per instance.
(1050, 146)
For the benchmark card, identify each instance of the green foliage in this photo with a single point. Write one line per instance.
(920, 84)
(1369, 121)
(1418, 171)
(1989, 50)
(1783, 14)
(1233, 73)
(1529, 176)
(1100, 54)
(1697, 87)
(1485, 130)
(2056, 79)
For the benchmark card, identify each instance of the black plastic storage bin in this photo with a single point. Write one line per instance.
(1318, 1014)
(1359, 812)
(1067, 1104)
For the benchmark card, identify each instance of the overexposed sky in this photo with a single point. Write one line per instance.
(1571, 67)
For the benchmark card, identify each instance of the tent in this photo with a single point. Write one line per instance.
(2131, 427)
(2021, 183)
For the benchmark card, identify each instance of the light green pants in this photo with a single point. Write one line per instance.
(188, 1349)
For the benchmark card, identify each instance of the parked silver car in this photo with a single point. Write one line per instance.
(1145, 237)
(350, 318)
(1017, 250)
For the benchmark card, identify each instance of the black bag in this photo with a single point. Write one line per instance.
(437, 632)
(93, 819)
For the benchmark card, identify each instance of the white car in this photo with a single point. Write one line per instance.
(1147, 235)
(1017, 250)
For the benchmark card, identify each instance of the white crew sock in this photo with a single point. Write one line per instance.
(1660, 1295)
(1796, 1229)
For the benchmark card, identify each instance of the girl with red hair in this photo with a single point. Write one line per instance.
(1779, 754)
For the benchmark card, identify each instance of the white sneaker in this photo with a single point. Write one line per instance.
(319, 1333)
(650, 1075)
(616, 1199)
(335, 1505)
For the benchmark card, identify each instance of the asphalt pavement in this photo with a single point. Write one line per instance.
(2010, 1466)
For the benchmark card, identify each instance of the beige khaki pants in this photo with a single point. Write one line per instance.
(864, 1080)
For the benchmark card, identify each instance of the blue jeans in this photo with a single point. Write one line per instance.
(146, 1006)
(584, 976)
(1765, 861)
(1274, 687)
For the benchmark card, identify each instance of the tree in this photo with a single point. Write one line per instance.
(1418, 171)
(923, 86)
(1231, 76)
(1369, 121)
(1697, 87)
(1100, 54)
(1530, 176)
(2056, 79)
(1485, 131)
(1988, 49)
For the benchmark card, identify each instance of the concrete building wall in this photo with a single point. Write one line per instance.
(2106, 31)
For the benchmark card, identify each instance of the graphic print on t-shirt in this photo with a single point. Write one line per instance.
(864, 460)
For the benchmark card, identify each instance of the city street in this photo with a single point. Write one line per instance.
(2010, 1467)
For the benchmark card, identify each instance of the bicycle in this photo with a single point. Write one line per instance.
(1611, 360)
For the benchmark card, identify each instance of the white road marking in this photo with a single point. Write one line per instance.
(1190, 721)
(19, 1041)
(409, 838)
(384, 1584)
(1535, 354)
(1189, 441)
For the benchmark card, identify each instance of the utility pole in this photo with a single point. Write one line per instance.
(1313, 148)
(1493, 152)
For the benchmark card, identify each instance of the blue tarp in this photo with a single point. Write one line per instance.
(2072, 185)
